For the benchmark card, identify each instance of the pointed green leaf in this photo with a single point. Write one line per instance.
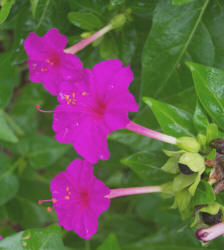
(147, 165)
(110, 243)
(204, 194)
(171, 34)
(200, 119)
(6, 133)
(209, 87)
(173, 121)
(181, 181)
(6, 6)
(9, 183)
(86, 21)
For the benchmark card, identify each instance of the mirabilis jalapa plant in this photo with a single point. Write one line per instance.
(95, 102)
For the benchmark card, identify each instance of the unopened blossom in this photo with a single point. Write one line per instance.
(93, 108)
(48, 63)
(79, 198)
(210, 233)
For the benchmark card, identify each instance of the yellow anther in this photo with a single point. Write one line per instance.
(67, 189)
(84, 93)
(48, 61)
(54, 200)
(67, 197)
(69, 193)
(52, 64)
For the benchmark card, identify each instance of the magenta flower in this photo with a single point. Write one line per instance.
(90, 110)
(79, 198)
(48, 63)
(1, 237)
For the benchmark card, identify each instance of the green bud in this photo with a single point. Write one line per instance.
(212, 132)
(189, 144)
(118, 21)
(201, 139)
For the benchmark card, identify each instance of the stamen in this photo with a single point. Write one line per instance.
(49, 209)
(43, 111)
(41, 201)
(67, 197)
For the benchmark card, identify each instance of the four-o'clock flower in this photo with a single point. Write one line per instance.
(79, 198)
(48, 63)
(93, 108)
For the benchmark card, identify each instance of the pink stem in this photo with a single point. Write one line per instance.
(132, 191)
(150, 133)
(82, 44)
(210, 233)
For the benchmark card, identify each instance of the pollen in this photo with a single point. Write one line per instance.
(67, 189)
(84, 93)
(44, 69)
(49, 209)
(54, 200)
(67, 197)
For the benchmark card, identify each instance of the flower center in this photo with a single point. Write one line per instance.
(53, 60)
(84, 195)
(99, 109)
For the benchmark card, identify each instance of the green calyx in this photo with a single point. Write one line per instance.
(118, 21)
(193, 160)
(189, 144)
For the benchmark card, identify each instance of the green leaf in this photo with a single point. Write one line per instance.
(209, 87)
(86, 21)
(204, 194)
(212, 208)
(28, 214)
(109, 48)
(6, 6)
(180, 2)
(212, 132)
(147, 165)
(44, 238)
(172, 31)
(9, 78)
(9, 184)
(200, 119)
(201, 48)
(171, 166)
(182, 181)
(110, 243)
(34, 4)
(6, 133)
(175, 238)
(23, 109)
(183, 199)
(41, 150)
(173, 121)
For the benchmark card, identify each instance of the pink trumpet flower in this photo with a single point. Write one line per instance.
(48, 63)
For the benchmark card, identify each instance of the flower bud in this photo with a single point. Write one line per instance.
(189, 144)
(118, 21)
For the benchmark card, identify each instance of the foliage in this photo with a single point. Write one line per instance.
(176, 50)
